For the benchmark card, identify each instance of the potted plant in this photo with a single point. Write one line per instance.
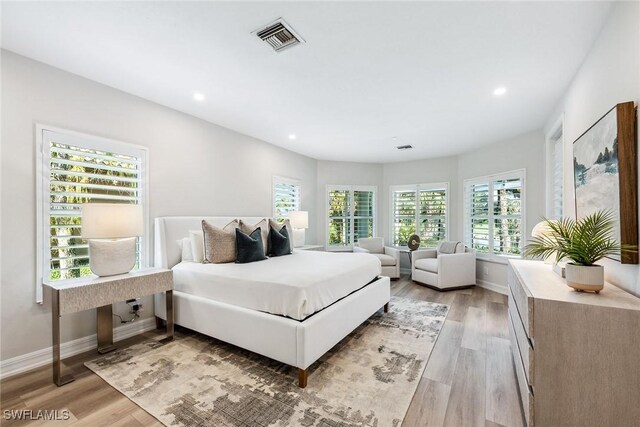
(582, 243)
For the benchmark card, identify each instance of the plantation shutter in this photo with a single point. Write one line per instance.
(478, 209)
(339, 217)
(421, 210)
(363, 214)
(404, 216)
(507, 216)
(76, 172)
(557, 179)
(286, 198)
(493, 214)
(432, 216)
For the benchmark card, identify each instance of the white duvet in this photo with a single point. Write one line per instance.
(295, 285)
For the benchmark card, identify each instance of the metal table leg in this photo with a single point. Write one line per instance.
(169, 301)
(58, 379)
(105, 329)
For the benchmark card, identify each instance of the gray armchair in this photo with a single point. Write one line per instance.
(389, 257)
(449, 266)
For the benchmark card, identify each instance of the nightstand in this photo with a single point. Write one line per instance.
(309, 248)
(70, 296)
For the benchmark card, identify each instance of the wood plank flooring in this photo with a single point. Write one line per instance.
(469, 379)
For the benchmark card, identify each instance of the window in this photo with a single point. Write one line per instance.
(494, 220)
(76, 169)
(286, 197)
(351, 215)
(555, 175)
(419, 209)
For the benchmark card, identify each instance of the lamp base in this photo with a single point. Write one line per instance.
(108, 257)
(298, 237)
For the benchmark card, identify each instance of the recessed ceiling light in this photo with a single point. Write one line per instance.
(499, 91)
(292, 136)
(198, 96)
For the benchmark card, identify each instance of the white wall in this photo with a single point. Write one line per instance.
(344, 173)
(609, 75)
(195, 168)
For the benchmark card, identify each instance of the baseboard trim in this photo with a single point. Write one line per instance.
(35, 359)
(501, 289)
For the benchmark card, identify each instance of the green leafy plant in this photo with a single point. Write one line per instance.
(583, 241)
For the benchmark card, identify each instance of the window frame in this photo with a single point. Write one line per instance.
(350, 189)
(276, 179)
(489, 180)
(554, 137)
(417, 188)
(44, 134)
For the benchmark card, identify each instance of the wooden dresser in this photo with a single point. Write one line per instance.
(576, 355)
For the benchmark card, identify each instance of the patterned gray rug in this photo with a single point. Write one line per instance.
(368, 379)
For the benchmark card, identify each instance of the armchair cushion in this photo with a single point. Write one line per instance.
(361, 250)
(427, 264)
(450, 248)
(386, 259)
(423, 253)
(375, 245)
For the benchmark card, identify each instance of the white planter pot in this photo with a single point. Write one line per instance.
(585, 278)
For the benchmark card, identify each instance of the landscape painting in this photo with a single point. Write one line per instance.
(605, 167)
(596, 170)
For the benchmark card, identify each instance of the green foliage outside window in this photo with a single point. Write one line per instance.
(340, 216)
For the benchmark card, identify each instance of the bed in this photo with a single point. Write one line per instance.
(292, 309)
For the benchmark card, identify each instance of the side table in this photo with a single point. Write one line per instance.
(70, 296)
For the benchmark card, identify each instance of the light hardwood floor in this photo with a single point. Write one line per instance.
(469, 379)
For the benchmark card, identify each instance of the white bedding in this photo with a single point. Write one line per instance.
(295, 285)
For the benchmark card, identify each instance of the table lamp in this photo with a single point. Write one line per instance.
(299, 221)
(111, 230)
(542, 229)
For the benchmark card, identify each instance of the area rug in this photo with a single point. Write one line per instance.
(368, 379)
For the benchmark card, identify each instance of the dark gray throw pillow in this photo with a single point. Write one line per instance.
(279, 242)
(249, 247)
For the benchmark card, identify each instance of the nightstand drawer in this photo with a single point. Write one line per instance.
(524, 345)
(523, 301)
(526, 394)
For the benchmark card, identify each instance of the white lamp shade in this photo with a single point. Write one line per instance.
(111, 220)
(299, 219)
(541, 229)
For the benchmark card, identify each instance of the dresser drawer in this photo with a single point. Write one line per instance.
(524, 345)
(526, 394)
(523, 301)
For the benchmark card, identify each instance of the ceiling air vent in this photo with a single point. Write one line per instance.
(279, 35)
(404, 147)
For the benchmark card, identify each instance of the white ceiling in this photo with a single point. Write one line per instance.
(370, 71)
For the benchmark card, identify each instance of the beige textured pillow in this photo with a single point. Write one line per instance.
(219, 243)
(264, 231)
(278, 226)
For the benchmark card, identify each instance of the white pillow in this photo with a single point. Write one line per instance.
(187, 252)
(197, 245)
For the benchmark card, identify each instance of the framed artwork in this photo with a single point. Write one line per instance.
(605, 167)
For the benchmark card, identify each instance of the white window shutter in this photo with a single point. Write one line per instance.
(76, 170)
(286, 197)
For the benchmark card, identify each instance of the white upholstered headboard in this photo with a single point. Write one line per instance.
(169, 229)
